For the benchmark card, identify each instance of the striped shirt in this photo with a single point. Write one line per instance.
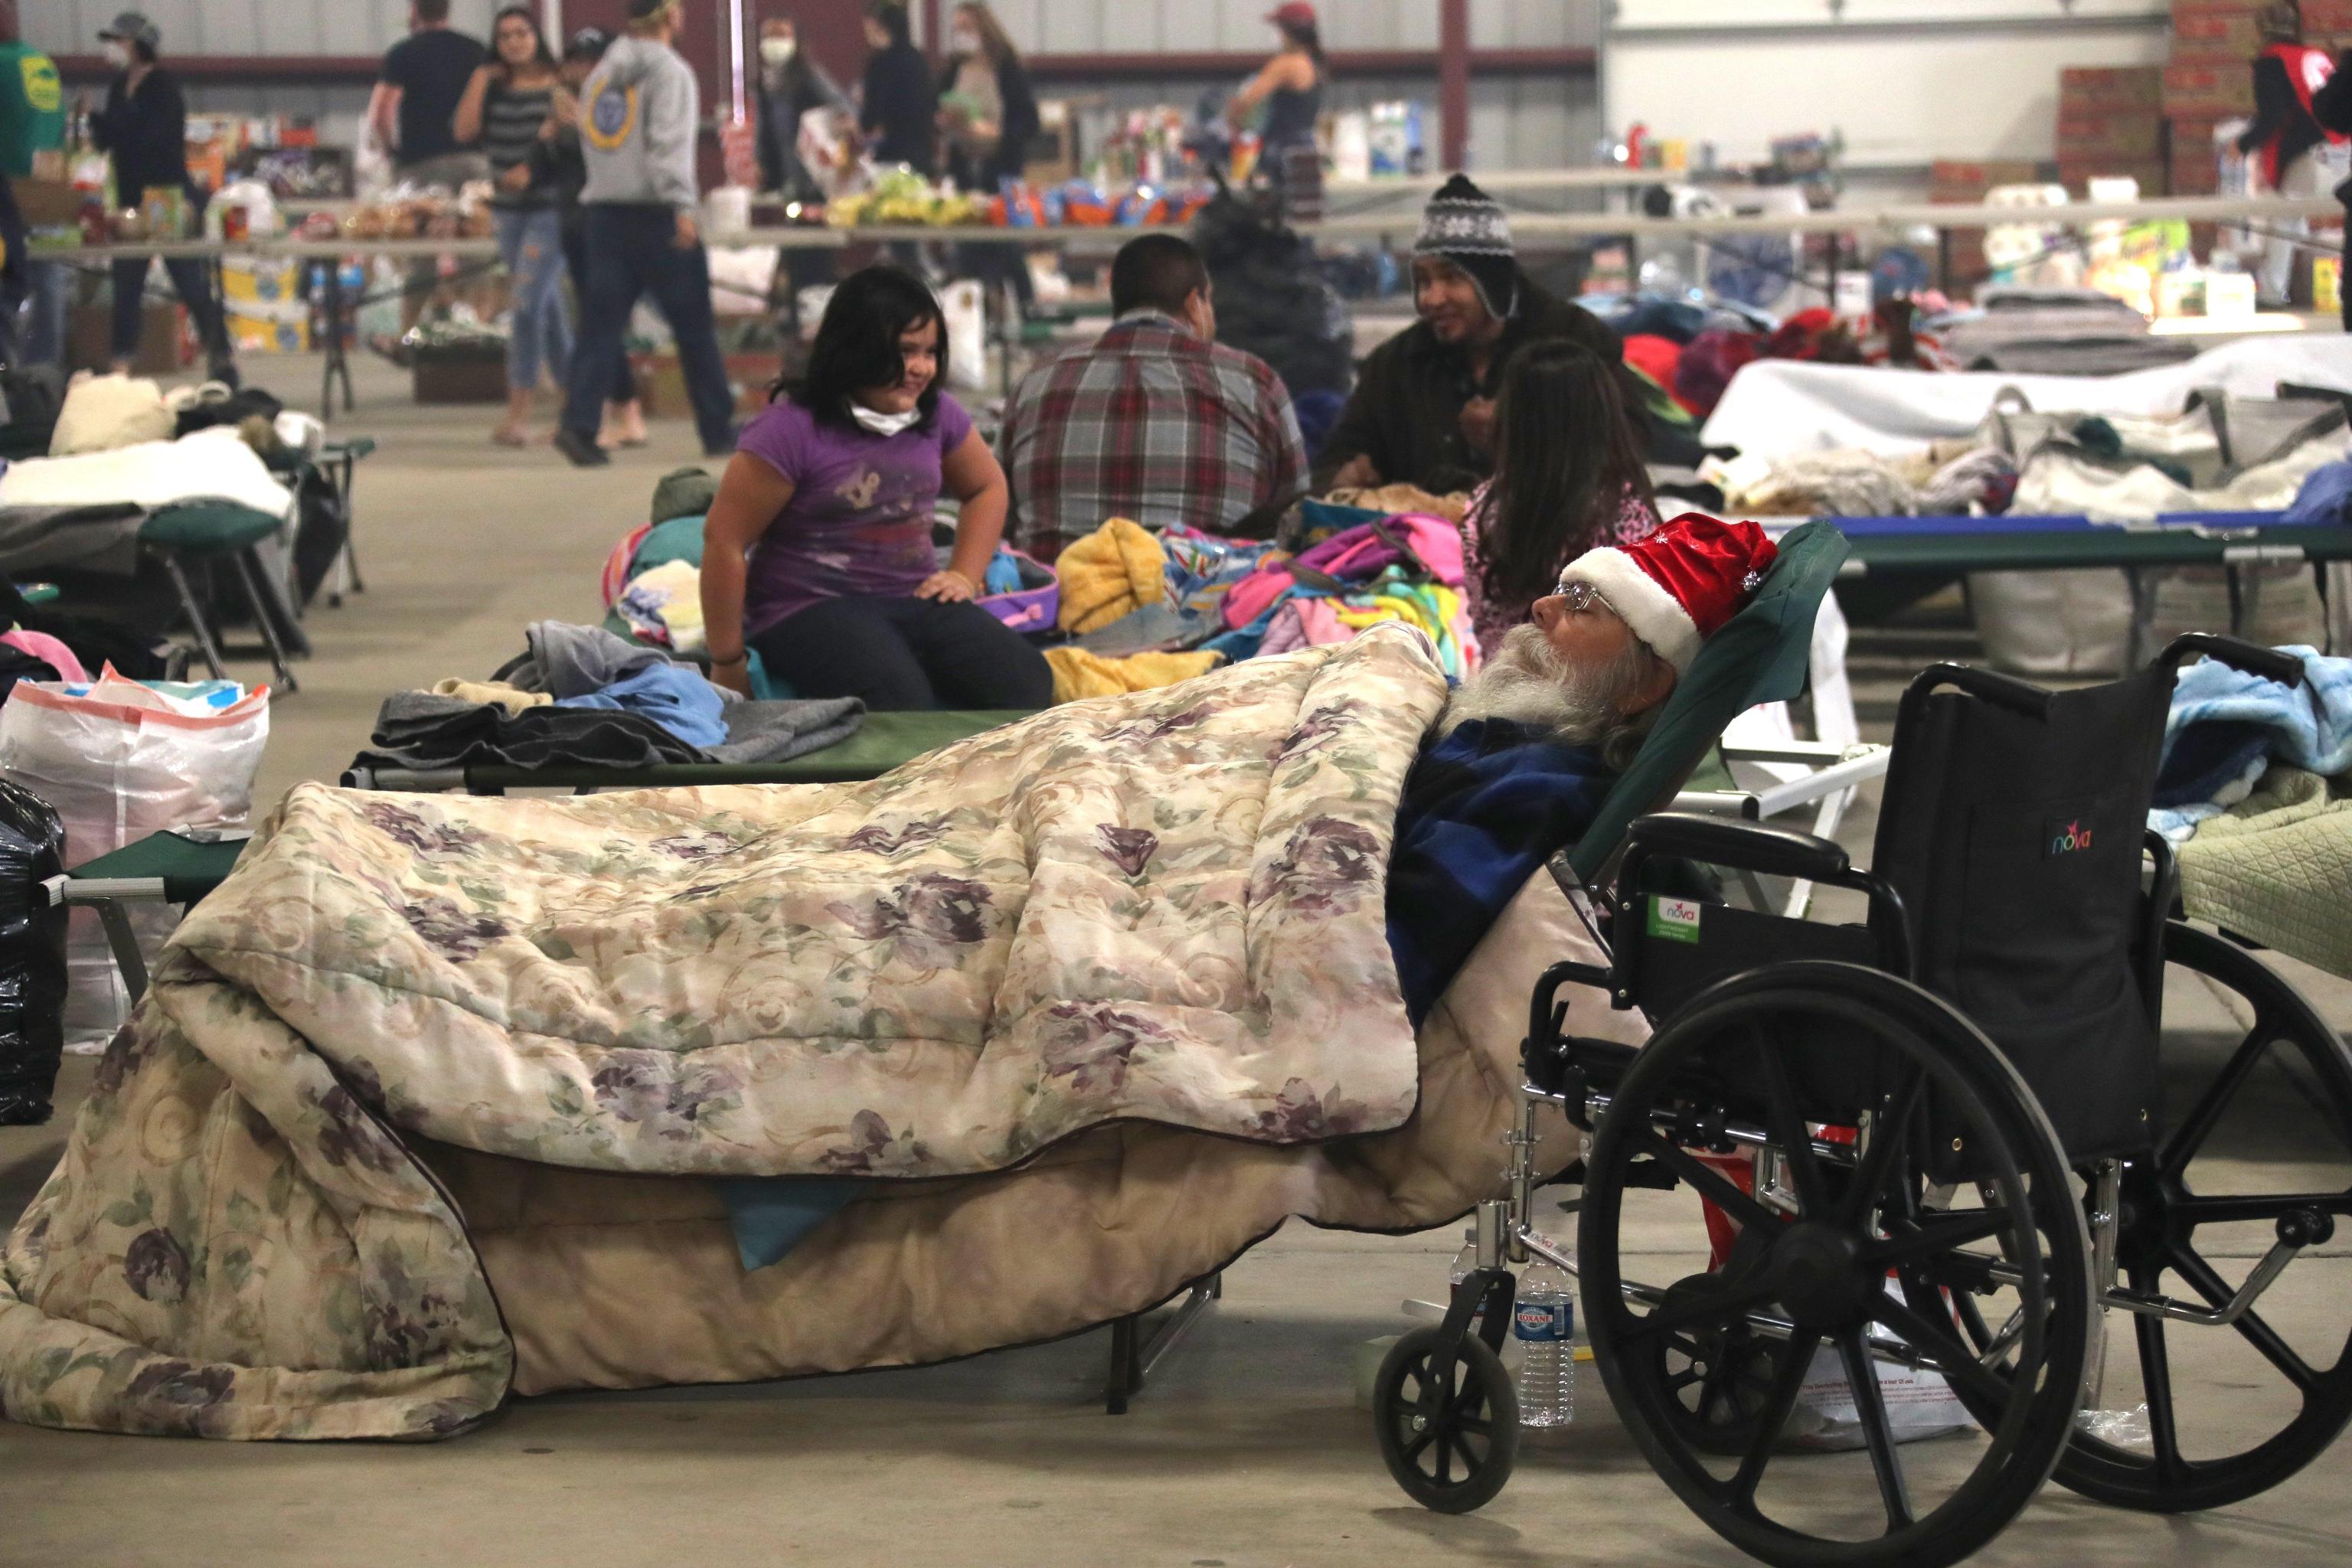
(512, 122)
(1152, 424)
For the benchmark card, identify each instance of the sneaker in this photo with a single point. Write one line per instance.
(581, 451)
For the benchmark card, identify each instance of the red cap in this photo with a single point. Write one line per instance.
(1293, 14)
(1676, 588)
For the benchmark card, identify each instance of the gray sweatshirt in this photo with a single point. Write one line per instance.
(642, 110)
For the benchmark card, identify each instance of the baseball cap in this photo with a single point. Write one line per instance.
(131, 27)
(588, 44)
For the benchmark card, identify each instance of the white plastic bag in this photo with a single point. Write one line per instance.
(963, 303)
(106, 413)
(119, 760)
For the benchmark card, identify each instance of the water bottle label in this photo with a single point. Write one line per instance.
(1540, 1321)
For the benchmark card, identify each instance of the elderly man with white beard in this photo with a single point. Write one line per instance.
(1529, 749)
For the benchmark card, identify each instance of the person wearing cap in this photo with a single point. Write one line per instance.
(560, 161)
(1527, 749)
(2286, 135)
(1422, 412)
(1290, 84)
(641, 114)
(144, 128)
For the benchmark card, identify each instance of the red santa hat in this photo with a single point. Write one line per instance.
(1676, 588)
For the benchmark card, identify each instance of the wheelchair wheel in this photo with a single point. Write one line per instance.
(1752, 1062)
(1449, 1435)
(2194, 1217)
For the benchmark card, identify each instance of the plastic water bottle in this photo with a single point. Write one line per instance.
(1544, 1323)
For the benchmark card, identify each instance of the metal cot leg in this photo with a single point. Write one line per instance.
(125, 943)
(264, 615)
(197, 626)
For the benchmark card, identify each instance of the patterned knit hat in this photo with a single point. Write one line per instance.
(1676, 588)
(1466, 227)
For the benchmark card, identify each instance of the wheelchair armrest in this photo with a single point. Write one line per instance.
(1746, 846)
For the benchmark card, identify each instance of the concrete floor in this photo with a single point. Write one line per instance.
(1247, 1450)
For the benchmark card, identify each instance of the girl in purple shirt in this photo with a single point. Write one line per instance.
(818, 551)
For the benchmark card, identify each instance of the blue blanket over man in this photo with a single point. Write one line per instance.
(1483, 810)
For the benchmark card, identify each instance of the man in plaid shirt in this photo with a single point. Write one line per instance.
(1156, 422)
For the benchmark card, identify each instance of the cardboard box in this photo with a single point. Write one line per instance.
(48, 204)
(2204, 29)
(164, 346)
(2323, 19)
(2215, 86)
(661, 383)
(2134, 134)
(445, 379)
(1963, 181)
(2091, 88)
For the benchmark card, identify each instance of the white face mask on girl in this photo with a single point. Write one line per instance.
(965, 41)
(884, 424)
(117, 53)
(777, 51)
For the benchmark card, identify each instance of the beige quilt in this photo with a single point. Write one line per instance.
(2277, 867)
(1106, 995)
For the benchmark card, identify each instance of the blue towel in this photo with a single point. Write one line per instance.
(673, 696)
(2325, 495)
(2227, 727)
(772, 1214)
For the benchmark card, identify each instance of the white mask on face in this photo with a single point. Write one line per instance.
(966, 41)
(882, 424)
(117, 54)
(777, 51)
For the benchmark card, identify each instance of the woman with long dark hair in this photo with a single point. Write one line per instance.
(1290, 84)
(900, 105)
(1569, 476)
(818, 551)
(510, 108)
(987, 115)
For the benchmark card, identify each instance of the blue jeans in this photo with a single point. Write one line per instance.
(531, 244)
(633, 252)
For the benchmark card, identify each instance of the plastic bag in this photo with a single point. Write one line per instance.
(119, 760)
(963, 305)
(32, 957)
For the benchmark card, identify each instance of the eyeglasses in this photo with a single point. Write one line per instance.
(1582, 597)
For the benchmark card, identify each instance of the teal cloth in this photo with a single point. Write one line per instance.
(679, 539)
(772, 1214)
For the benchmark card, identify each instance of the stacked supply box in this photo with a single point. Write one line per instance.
(1963, 183)
(265, 312)
(2209, 83)
(2111, 126)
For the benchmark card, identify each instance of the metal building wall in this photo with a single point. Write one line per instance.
(1517, 121)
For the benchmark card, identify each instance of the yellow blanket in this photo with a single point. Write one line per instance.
(1110, 574)
(1079, 674)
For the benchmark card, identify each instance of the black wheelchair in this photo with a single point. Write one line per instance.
(1946, 1140)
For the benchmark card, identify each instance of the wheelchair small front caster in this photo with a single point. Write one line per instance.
(1449, 1434)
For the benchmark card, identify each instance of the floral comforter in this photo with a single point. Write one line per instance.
(1164, 909)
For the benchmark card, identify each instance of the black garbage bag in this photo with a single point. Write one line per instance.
(32, 957)
(1273, 299)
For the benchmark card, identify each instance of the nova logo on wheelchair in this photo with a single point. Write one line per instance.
(2073, 838)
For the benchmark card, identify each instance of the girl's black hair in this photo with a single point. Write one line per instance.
(1308, 36)
(542, 56)
(1566, 452)
(895, 21)
(856, 346)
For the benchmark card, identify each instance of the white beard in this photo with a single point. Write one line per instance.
(1527, 683)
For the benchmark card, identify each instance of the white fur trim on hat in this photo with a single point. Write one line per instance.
(1656, 616)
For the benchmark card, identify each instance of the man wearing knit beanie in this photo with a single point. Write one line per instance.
(1423, 413)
